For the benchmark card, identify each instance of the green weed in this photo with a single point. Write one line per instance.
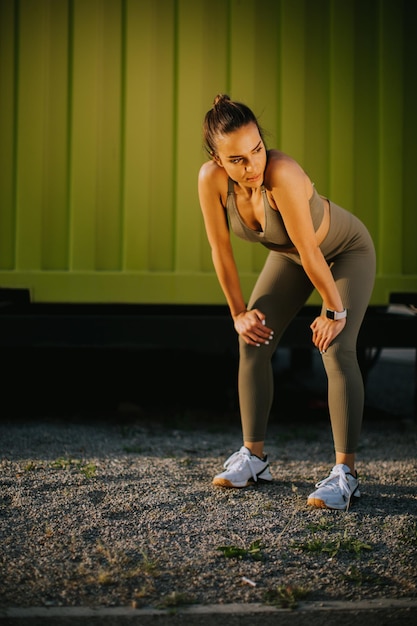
(49, 532)
(185, 462)
(284, 596)
(105, 577)
(174, 600)
(322, 524)
(335, 546)
(148, 566)
(30, 466)
(254, 551)
(114, 566)
(359, 577)
(87, 469)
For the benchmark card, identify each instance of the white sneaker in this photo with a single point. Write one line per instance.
(335, 491)
(243, 469)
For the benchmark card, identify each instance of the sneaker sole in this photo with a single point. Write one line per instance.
(223, 482)
(320, 504)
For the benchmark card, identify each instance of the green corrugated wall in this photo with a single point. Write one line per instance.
(101, 106)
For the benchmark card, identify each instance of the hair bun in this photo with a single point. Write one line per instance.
(224, 117)
(220, 99)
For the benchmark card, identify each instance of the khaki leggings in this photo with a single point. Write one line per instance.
(280, 292)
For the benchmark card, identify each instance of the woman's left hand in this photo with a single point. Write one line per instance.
(325, 330)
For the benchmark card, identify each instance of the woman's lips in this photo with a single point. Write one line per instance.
(254, 179)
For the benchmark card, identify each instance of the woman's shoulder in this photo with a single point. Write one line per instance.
(282, 169)
(212, 180)
(280, 163)
(211, 172)
(213, 183)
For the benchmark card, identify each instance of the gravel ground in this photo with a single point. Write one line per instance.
(121, 511)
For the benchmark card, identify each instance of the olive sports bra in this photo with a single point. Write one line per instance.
(274, 236)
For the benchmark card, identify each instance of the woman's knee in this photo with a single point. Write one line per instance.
(255, 354)
(340, 358)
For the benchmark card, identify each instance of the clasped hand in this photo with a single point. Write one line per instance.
(325, 330)
(251, 326)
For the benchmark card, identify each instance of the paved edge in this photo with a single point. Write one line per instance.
(365, 612)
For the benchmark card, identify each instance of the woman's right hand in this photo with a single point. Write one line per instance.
(251, 326)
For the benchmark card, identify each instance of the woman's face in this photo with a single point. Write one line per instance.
(242, 153)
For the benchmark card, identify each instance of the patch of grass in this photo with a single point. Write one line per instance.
(149, 566)
(62, 463)
(111, 566)
(174, 600)
(333, 547)
(87, 469)
(322, 524)
(260, 509)
(105, 577)
(49, 532)
(360, 577)
(313, 545)
(30, 466)
(284, 596)
(186, 462)
(147, 589)
(234, 552)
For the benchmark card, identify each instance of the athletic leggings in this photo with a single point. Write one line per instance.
(280, 292)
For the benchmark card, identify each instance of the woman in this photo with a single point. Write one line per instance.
(266, 197)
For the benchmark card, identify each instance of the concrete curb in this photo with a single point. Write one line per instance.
(364, 613)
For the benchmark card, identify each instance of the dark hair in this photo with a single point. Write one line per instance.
(224, 117)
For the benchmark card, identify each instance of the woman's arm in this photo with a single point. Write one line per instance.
(249, 324)
(291, 189)
(218, 236)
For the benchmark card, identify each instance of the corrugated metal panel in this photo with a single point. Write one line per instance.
(101, 106)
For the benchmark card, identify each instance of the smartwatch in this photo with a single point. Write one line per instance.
(335, 315)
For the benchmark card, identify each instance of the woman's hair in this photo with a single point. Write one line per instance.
(224, 117)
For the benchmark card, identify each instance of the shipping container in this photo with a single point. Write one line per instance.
(101, 108)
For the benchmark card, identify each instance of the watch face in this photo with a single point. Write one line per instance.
(335, 315)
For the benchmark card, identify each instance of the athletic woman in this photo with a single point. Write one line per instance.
(265, 196)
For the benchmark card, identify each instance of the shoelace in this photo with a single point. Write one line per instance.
(342, 483)
(237, 460)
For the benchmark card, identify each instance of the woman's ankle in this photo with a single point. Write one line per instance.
(256, 448)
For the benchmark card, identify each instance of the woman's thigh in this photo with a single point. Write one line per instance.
(354, 275)
(281, 290)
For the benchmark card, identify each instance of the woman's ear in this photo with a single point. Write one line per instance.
(217, 160)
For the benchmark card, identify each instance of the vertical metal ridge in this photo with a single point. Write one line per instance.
(279, 76)
(123, 54)
(175, 94)
(15, 181)
(70, 73)
(229, 48)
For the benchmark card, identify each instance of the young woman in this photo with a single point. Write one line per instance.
(265, 196)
